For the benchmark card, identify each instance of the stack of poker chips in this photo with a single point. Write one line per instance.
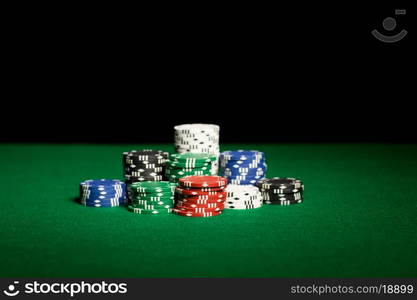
(281, 191)
(188, 164)
(200, 196)
(198, 138)
(151, 197)
(102, 193)
(243, 166)
(243, 197)
(144, 165)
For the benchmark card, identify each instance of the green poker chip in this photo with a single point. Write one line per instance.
(154, 200)
(152, 206)
(200, 157)
(157, 203)
(149, 211)
(153, 195)
(151, 187)
(189, 173)
(187, 164)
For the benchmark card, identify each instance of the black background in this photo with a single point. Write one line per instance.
(284, 73)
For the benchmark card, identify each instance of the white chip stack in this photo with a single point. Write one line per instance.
(198, 138)
(243, 197)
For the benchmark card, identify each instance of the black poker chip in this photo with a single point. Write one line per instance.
(284, 202)
(144, 165)
(134, 168)
(272, 196)
(149, 156)
(286, 184)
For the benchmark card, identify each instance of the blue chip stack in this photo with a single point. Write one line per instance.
(102, 193)
(243, 166)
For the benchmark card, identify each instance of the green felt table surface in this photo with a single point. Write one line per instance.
(359, 218)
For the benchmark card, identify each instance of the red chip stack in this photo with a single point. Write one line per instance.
(200, 196)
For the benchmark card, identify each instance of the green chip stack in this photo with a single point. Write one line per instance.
(151, 197)
(188, 164)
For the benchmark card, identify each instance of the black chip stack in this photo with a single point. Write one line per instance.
(144, 165)
(281, 190)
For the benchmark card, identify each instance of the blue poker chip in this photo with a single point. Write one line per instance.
(102, 193)
(249, 176)
(113, 203)
(243, 166)
(242, 163)
(103, 205)
(102, 182)
(109, 200)
(102, 188)
(242, 155)
(243, 171)
(102, 198)
(243, 180)
(104, 201)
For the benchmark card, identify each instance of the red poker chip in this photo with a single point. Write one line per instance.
(198, 209)
(209, 189)
(199, 201)
(190, 214)
(206, 189)
(220, 195)
(196, 192)
(195, 205)
(202, 181)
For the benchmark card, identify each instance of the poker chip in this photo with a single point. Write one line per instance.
(144, 165)
(243, 181)
(186, 183)
(280, 183)
(281, 197)
(202, 181)
(192, 157)
(203, 195)
(195, 192)
(204, 189)
(200, 196)
(192, 209)
(101, 182)
(160, 202)
(152, 187)
(248, 206)
(198, 138)
(151, 206)
(243, 167)
(188, 164)
(242, 155)
(285, 202)
(200, 205)
(146, 155)
(202, 201)
(185, 213)
(281, 190)
(142, 211)
(243, 197)
(102, 193)
(151, 197)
